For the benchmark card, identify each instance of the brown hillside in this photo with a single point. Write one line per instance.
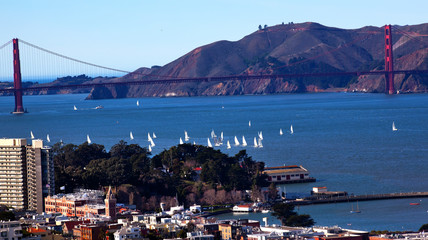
(287, 48)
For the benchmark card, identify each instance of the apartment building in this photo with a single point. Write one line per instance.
(26, 173)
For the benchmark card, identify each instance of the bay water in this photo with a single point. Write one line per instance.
(345, 140)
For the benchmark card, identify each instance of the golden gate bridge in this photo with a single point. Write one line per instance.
(63, 68)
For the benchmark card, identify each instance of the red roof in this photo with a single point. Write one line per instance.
(245, 206)
(36, 230)
(70, 224)
(197, 169)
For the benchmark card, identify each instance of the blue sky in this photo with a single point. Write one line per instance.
(129, 34)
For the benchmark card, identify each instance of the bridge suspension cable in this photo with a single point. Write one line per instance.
(412, 36)
(72, 59)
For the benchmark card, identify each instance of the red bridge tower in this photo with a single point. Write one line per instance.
(389, 62)
(17, 82)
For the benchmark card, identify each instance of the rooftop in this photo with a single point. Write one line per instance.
(82, 194)
(285, 169)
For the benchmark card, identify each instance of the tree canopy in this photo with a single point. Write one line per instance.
(170, 173)
(423, 228)
(288, 217)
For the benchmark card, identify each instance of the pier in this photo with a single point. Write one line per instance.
(354, 198)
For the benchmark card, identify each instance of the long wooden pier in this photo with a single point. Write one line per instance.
(354, 198)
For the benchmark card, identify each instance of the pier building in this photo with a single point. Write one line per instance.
(288, 174)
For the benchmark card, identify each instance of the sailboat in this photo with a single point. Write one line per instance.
(213, 134)
(393, 127)
(261, 135)
(138, 103)
(255, 142)
(75, 108)
(181, 141)
(236, 141)
(244, 143)
(356, 210)
(152, 144)
(291, 129)
(154, 136)
(32, 135)
(48, 138)
(149, 138)
(186, 137)
(249, 123)
(131, 136)
(88, 139)
(209, 143)
(280, 131)
(194, 143)
(260, 145)
(221, 136)
(150, 148)
(228, 145)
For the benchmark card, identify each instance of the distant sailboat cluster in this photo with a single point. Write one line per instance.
(212, 141)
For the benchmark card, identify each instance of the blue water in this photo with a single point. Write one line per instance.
(344, 140)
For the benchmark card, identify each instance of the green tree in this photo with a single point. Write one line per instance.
(70, 161)
(272, 192)
(182, 234)
(288, 217)
(7, 216)
(423, 228)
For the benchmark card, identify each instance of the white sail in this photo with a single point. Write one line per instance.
(236, 141)
(228, 145)
(393, 127)
(260, 145)
(150, 148)
(154, 136)
(186, 136)
(75, 108)
(255, 142)
(88, 139)
(149, 138)
(213, 134)
(221, 136)
(280, 131)
(152, 144)
(244, 143)
(181, 141)
(249, 123)
(291, 129)
(131, 136)
(48, 138)
(138, 103)
(209, 143)
(32, 135)
(261, 135)
(194, 143)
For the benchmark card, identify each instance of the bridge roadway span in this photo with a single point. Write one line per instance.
(354, 198)
(210, 79)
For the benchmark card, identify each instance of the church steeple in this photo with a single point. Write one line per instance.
(110, 202)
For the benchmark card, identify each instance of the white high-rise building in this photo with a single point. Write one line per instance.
(26, 173)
